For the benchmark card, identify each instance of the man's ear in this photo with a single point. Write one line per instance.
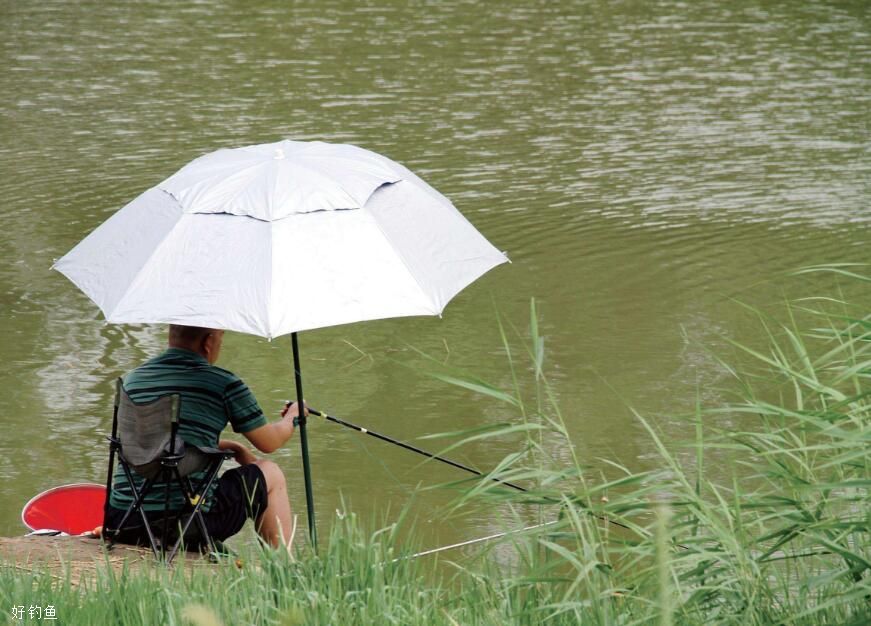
(208, 343)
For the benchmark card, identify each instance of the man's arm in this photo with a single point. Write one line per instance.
(241, 454)
(272, 436)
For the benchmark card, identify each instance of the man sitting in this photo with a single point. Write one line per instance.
(211, 397)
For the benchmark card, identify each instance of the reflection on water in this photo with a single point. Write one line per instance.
(642, 164)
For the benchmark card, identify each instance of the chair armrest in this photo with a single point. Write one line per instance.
(227, 454)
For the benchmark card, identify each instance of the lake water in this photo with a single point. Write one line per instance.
(644, 164)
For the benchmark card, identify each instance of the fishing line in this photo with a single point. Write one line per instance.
(472, 541)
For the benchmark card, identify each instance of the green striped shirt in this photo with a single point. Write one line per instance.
(211, 397)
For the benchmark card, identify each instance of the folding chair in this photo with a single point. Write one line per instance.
(146, 441)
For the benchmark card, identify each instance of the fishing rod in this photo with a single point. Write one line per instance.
(466, 468)
(402, 444)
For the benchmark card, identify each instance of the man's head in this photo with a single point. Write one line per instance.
(204, 341)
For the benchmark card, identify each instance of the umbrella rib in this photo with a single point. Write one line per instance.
(231, 201)
(321, 174)
(218, 176)
(271, 269)
(436, 310)
(132, 283)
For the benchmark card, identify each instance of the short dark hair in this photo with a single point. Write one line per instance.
(187, 335)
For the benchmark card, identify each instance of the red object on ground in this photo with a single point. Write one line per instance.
(72, 509)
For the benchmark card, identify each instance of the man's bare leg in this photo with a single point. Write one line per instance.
(275, 524)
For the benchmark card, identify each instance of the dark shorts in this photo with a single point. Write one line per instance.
(240, 495)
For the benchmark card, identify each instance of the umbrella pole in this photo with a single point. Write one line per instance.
(303, 442)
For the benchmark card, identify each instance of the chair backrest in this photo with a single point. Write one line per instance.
(148, 431)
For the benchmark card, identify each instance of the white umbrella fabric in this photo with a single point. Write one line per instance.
(246, 239)
(278, 238)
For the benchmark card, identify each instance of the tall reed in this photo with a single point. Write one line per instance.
(785, 540)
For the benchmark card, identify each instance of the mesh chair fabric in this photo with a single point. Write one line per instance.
(145, 430)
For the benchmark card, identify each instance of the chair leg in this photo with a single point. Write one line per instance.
(201, 523)
(138, 497)
(158, 552)
(203, 488)
(136, 507)
(208, 480)
(166, 475)
(110, 474)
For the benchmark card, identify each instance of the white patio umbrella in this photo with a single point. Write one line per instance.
(278, 238)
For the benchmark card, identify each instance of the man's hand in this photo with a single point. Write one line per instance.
(241, 454)
(292, 410)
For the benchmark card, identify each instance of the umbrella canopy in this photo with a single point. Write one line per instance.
(278, 238)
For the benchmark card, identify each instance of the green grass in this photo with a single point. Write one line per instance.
(786, 541)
